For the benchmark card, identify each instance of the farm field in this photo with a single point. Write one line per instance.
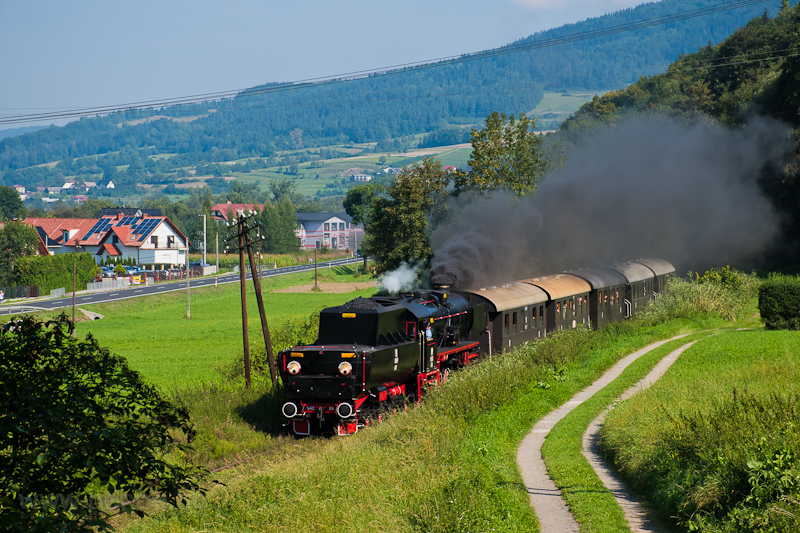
(174, 352)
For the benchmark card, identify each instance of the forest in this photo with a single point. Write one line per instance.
(751, 76)
(262, 121)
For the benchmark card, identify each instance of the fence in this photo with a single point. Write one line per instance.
(21, 291)
(58, 293)
(108, 284)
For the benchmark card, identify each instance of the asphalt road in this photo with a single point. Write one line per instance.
(138, 291)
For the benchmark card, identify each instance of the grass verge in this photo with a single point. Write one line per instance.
(716, 442)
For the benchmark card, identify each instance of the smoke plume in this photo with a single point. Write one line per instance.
(404, 277)
(651, 187)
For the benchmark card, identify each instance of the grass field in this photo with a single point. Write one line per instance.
(716, 442)
(172, 351)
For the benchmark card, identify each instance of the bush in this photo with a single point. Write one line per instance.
(55, 271)
(779, 302)
(77, 423)
(722, 293)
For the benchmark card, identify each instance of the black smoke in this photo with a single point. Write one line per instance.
(650, 187)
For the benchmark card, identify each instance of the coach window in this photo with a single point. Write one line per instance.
(514, 321)
(506, 323)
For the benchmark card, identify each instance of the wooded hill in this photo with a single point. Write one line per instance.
(263, 120)
(754, 72)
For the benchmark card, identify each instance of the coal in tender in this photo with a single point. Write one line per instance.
(361, 303)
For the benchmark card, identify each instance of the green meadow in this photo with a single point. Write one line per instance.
(157, 339)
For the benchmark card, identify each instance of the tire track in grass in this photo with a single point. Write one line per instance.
(546, 498)
(633, 507)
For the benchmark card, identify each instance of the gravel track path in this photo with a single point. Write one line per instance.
(546, 499)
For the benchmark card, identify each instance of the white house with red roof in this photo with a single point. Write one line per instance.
(147, 239)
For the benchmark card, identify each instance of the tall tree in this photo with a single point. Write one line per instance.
(17, 239)
(399, 226)
(358, 201)
(506, 154)
(11, 204)
(278, 224)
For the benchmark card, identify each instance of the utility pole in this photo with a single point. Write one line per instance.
(243, 234)
(315, 269)
(204, 237)
(188, 293)
(74, 281)
(241, 221)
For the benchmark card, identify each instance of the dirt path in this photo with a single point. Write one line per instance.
(552, 511)
(331, 287)
(635, 509)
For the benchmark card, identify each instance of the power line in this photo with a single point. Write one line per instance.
(390, 70)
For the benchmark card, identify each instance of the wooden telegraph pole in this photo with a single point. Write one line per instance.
(243, 234)
(240, 223)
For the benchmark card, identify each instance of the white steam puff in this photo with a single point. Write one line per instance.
(397, 280)
(651, 187)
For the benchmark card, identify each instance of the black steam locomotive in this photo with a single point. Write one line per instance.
(375, 354)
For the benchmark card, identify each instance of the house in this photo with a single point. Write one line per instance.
(106, 184)
(53, 190)
(69, 184)
(20, 189)
(449, 168)
(362, 177)
(146, 239)
(80, 199)
(88, 186)
(332, 230)
(221, 212)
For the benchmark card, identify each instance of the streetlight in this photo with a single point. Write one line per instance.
(204, 238)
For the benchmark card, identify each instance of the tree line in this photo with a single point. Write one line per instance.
(261, 122)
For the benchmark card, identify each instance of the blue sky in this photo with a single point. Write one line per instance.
(91, 53)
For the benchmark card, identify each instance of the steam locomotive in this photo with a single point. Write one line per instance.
(374, 355)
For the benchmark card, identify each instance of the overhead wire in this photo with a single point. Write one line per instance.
(384, 71)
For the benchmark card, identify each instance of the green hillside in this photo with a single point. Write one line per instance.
(750, 78)
(390, 109)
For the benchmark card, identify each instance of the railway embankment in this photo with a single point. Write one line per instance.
(448, 464)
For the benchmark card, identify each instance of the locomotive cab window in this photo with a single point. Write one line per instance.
(411, 329)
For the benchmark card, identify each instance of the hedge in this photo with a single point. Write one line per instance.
(54, 271)
(779, 302)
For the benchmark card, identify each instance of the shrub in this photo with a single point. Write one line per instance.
(779, 302)
(723, 293)
(55, 271)
(77, 423)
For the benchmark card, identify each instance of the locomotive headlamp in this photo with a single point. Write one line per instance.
(289, 410)
(345, 368)
(344, 410)
(293, 367)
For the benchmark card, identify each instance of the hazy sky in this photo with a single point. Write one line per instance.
(60, 54)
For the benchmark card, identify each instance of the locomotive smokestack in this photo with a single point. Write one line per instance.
(442, 278)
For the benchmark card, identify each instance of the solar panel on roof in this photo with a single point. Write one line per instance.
(147, 226)
(99, 226)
